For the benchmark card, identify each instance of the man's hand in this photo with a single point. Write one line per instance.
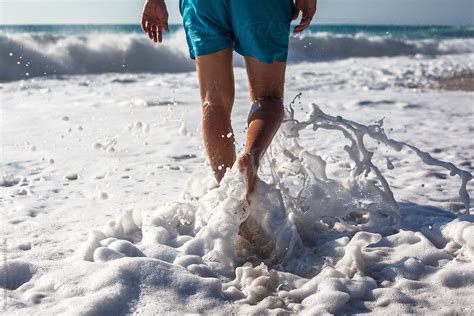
(308, 10)
(155, 19)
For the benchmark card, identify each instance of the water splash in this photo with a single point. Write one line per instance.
(296, 208)
(288, 158)
(319, 239)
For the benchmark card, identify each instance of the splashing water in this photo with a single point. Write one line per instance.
(305, 246)
(316, 196)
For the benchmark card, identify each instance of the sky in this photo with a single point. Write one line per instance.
(407, 12)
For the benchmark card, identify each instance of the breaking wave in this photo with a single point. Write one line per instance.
(26, 55)
(326, 46)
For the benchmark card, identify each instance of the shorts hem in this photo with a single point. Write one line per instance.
(265, 59)
(203, 52)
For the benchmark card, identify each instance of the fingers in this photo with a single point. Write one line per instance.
(154, 29)
(147, 26)
(308, 14)
(154, 20)
(153, 33)
(160, 33)
(164, 21)
(149, 30)
(163, 24)
(305, 21)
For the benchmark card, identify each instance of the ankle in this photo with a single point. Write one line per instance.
(252, 157)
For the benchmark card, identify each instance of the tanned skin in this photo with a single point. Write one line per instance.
(216, 85)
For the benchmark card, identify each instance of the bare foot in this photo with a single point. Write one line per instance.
(248, 165)
(250, 229)
(257, 238)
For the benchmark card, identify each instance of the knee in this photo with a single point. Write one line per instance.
(270, 101)
(217, 99)
(273, 105)
(217, 106)
(216, 112)
(270, 106)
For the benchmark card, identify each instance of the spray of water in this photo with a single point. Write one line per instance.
(306, 228)
(287, 149)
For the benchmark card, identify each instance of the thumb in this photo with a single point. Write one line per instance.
(165, 25)
(163, 16)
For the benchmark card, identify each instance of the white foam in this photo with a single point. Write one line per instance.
(97, 53)
(49, 54)
(326, 46)
(200, 233)
(344, 243)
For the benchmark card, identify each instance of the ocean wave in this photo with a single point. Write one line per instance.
(33, 55)
(326, 46)
(27, 55)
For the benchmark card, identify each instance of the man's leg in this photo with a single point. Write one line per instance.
(266, 83)
(216, 85)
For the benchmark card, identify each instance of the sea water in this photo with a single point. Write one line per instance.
(45, 50)
(332, 236)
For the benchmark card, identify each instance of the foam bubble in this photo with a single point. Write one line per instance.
(309, 242)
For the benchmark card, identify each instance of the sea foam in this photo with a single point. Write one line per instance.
(319, 237)
(27, 55)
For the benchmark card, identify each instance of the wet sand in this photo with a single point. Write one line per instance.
(457, 83)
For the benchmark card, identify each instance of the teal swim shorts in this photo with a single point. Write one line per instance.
(256, 28)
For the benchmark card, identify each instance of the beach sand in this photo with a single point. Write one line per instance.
(458, 83)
